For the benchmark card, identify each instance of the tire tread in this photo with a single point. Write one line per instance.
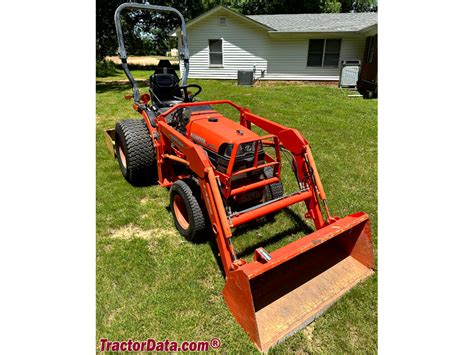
(198, 225)
(141, 155)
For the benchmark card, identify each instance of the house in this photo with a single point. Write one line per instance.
(276, 47)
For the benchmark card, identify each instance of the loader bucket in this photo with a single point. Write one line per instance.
(273, 299)
(110, 140)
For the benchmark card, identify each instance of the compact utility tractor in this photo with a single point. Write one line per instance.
(221, 174)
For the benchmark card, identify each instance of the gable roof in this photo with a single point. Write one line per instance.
(232, 12)
(285, 23)
(342, 22)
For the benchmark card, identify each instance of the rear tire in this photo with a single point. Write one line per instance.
(135, 152)
(187, 213)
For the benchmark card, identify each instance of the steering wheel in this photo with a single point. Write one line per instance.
(188, 98)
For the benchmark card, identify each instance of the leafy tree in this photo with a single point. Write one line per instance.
(330, 6)
(268, 7)
(147, 33)
(106, 42)
(144, 32)
(359, 5)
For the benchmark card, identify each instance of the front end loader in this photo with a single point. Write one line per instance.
(221, 175)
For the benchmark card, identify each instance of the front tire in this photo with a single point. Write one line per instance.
(187, 213)
(135, 152)
(272, 191)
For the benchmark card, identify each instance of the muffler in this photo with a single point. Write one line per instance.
(276, 295)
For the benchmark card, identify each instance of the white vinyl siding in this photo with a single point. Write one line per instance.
(289, 59)
(245, 45)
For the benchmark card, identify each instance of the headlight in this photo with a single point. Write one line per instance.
(244, 149)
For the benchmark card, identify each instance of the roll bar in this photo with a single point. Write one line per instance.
(184, 52)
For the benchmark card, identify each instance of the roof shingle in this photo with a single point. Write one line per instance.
(342, 22)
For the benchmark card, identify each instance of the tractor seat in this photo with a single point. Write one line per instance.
(165, 88)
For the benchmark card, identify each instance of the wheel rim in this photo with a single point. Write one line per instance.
(122, 156)
(180, 211)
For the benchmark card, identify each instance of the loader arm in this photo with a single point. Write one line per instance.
(199, 164)
(299, 147)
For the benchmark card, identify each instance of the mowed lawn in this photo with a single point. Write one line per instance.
(152, 283)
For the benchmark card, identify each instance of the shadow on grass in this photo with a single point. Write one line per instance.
(118, 85)
(299, 226)
(215, 250)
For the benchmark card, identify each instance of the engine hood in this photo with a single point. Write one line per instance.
(212, 129)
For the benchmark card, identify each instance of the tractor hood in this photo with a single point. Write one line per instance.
(211, 130)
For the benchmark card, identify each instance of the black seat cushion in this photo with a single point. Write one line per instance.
(164, 84)
(164, 87)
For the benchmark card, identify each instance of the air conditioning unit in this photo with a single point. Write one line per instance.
(350, 70)
(245, 77)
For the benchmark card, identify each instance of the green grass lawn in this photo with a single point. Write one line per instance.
(151, 283)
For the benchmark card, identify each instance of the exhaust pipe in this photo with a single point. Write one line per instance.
(272, 299)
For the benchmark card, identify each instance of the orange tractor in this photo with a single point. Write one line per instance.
(221, 174)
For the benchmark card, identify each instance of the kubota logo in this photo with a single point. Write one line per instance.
(198, 139)
(176, 141)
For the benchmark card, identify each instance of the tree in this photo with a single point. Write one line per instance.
(269, 7)
(359, 5)
(330, 6)
(144, 32)
(147, 33)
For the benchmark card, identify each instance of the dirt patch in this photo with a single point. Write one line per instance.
(312, 342)
(154, 201)
(353, 336)
(113, 315)
(145, 201)
(209, 282)
(131, 231)
(308, 332)
(110, 318)
(156, 238)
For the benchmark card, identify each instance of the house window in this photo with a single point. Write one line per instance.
(222, 20)
(215, 52)
(324, 52)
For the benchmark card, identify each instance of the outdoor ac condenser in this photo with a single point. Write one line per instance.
(349, 73)
(245, 77)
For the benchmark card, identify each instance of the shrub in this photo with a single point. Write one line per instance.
(104, 68)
